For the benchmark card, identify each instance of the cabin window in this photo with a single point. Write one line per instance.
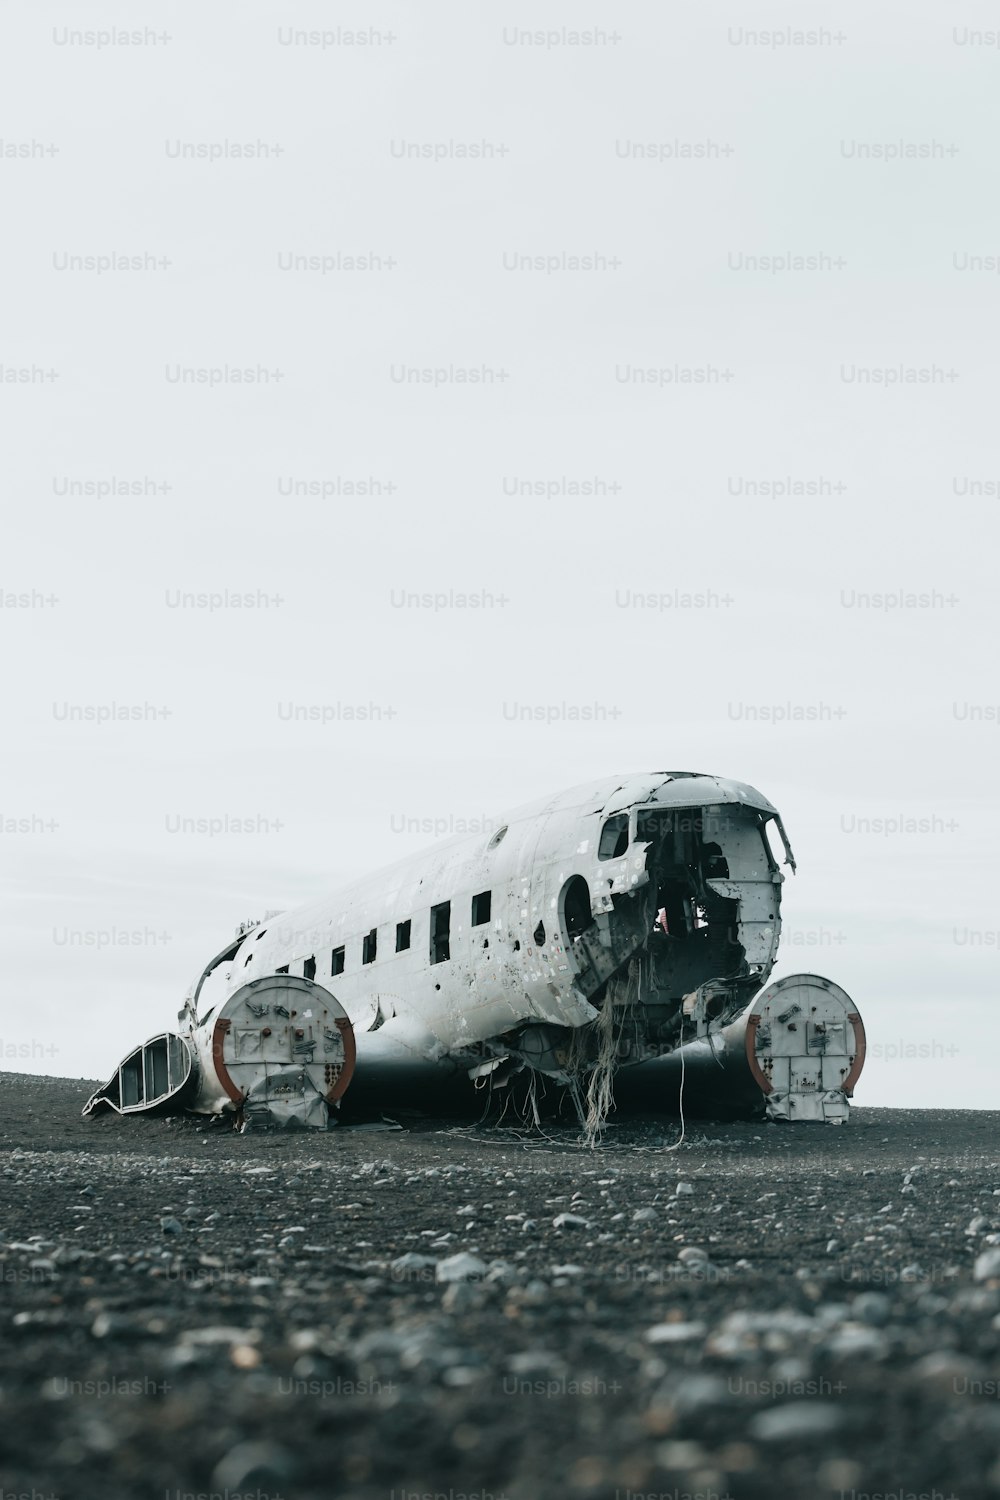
(309, 968)
(481, 908)
(614, 837)
(441, 932)
(369, 944)
(337, 961)
(282, 970)
(402, 935)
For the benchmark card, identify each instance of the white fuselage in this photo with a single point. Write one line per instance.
(452, 980)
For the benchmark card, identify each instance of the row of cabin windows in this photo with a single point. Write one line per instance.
(440, 938)
(612, 844)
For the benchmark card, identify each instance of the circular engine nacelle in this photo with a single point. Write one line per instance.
(805, 1045)
(281, 1050)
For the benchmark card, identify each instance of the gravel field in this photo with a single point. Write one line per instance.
(452, 1310)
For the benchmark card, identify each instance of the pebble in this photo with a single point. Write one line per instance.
(987, 1265)
(857, 1341)
(116, 1326)
(463, 1297)
(412, 1264)
(460, 1267)
(675, 1333)
(253, 1465)
(220, 1334)
(500, 1270)
(872, 1307)
(796, 1421)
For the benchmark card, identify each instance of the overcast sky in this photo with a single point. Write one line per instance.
(783, 217)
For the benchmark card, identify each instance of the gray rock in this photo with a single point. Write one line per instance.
(461, 1267)
(253, 1465)
(873, 1308)
(795, 1421)
(412, 1265)
(987, 1265)
(219, 1334)
(857, 1340)
(675, 1333)
(463, 1297)
(534, 1362)
(700, 1393)
(109, 1325)
(946, 1369)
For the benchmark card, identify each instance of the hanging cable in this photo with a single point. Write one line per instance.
(680, 1097)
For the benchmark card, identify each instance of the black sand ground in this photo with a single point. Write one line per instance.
(186, 1310)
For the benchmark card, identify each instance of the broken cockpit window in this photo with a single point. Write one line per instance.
(614, 837)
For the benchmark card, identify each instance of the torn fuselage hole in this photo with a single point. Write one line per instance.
(696, 937)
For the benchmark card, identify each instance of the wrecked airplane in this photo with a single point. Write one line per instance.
(610, 942)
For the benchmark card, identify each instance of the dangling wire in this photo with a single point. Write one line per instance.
(680, 1097)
